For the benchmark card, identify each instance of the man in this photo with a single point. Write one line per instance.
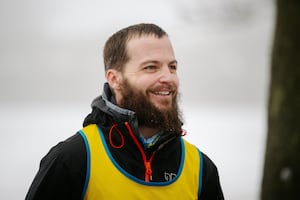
(131, 145)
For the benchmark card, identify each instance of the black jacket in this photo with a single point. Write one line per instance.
(62, 171)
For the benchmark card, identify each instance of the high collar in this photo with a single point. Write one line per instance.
(105, 105)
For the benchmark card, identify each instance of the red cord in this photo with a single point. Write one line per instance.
(120, 134)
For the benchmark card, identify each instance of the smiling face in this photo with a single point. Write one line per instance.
(151, 70)
(148, 83)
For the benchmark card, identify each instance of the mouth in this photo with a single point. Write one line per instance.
(162, 98)
(162, 93)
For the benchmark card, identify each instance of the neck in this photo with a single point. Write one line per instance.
(147, 132)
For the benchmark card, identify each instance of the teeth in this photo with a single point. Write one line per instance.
(162, 93)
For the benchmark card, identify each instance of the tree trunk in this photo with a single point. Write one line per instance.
(281, 176)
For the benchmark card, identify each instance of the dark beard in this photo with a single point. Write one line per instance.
(147, 113)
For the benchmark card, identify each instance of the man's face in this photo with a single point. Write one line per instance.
(152, 69)
(149, 83)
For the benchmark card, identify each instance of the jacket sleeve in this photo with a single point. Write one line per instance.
(62, 172)
(211, 187)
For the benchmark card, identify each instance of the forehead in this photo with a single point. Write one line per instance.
(149, 46)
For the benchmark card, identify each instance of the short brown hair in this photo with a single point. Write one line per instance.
(114, 52)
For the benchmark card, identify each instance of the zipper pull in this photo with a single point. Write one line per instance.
(148, 174)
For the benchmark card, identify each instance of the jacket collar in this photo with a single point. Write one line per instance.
(107, 104)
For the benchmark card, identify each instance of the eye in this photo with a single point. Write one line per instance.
(150, 68)
(173, 68)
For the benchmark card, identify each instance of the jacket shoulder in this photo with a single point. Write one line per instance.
(62, 170)
(211, 182)
(70, 149)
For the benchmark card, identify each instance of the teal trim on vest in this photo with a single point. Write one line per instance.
(200, 173)
(88, 158)
(131, 176)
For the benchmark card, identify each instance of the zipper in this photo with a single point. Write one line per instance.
(147, 163)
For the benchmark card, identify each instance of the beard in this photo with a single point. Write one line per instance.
(147, 113)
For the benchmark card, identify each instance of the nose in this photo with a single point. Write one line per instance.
(167, 75)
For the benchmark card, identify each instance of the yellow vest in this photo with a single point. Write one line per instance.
(105, 179)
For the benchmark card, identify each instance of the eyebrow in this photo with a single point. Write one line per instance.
(174, 62)
(157, 62)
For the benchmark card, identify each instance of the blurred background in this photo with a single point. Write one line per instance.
(51, 69)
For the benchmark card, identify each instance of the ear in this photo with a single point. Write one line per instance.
(114, 78)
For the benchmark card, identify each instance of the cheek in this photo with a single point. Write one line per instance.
(144, 82)
(176, 82)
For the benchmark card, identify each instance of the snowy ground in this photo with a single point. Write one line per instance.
(234, 139)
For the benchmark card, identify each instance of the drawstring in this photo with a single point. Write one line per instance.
(120, 134)
(147, 163)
